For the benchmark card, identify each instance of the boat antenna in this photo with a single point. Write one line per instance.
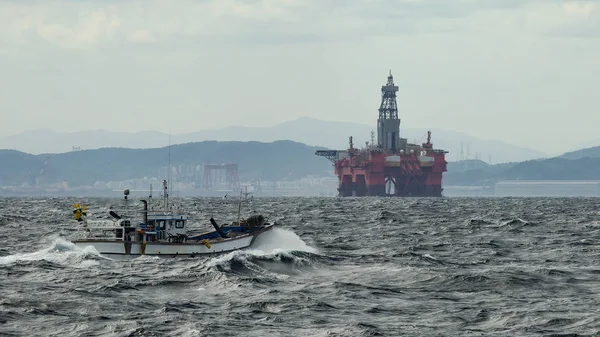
(125, 194)
(240, 207)
(150, 197)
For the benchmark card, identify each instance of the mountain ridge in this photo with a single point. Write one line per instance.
(278, 160)
(309, 131)
(590, 152)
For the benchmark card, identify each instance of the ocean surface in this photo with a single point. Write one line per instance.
(334, 267)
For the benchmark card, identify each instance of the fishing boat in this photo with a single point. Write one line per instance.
(164, 232)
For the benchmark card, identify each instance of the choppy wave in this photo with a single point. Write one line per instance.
(335, 267)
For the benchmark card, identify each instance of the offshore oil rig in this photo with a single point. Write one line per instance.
(392, 166)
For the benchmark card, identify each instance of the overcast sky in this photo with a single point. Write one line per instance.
(523, 71)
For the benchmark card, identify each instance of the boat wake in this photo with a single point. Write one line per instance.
(278, 253)
(60, 252)
(280, 240)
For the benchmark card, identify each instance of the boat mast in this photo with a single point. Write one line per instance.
(246, 194)
(165, 194)
(169, 174)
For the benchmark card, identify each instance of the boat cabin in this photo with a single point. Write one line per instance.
(167, 227)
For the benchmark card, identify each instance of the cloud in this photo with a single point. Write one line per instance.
(472, 65)
(88, 24)
(90, 28)
(581, 19)
(140, 35)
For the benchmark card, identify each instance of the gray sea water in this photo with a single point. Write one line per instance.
(334, 267)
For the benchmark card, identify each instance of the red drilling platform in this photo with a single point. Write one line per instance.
(392, 166)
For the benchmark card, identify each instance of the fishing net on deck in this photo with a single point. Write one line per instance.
(255, 221)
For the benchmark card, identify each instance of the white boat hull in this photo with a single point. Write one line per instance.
(114, 248)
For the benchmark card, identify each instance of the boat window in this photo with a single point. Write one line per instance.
(161, 224)
(179, 224)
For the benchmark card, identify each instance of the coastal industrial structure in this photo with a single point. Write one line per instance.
(391, 166)
(221, 173)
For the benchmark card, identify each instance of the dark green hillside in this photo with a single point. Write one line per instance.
(548, 169)
(556, 169)
(18, 166)
(466, 165)
(268, 161)
(592, 152)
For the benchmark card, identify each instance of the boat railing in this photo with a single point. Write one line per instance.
(130, 213)
(96, 229)
(100, 224)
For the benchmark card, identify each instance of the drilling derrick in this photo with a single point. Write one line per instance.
(392, 167)
(388, 124)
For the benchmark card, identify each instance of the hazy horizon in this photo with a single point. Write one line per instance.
(522, 72)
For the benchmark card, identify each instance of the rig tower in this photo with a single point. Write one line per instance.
(388, 124)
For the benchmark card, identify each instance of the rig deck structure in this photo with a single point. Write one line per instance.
(392, 166)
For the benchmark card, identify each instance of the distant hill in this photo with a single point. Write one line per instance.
(279, 160)
(313, 132)
(470, 174)
(592, 152)
(267, 161)
(466, 165)
(17, 166)
(581, 167)
(555, 169)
